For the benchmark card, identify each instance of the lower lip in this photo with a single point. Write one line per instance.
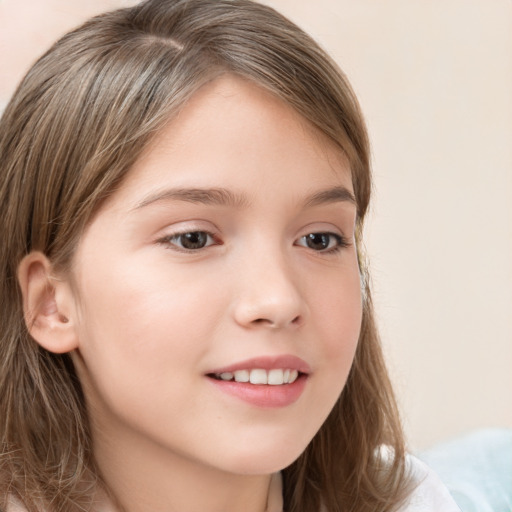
(263, 395)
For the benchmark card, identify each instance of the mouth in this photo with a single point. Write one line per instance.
(264, 382)
(260, 376)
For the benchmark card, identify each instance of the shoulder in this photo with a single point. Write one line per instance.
(428, 492)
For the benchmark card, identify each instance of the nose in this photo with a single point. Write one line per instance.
(269, 294)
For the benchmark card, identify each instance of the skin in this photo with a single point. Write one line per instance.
(147, 320)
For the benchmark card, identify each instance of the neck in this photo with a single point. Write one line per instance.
(142, 475)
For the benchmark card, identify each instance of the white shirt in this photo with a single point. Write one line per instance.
(429, 495)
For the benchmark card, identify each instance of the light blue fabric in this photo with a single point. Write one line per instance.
(477, 469)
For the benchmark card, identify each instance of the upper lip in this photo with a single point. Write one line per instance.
(286, 361)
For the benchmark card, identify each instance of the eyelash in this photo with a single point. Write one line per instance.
(172, 240)
(341, 241)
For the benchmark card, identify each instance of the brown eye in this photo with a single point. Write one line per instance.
(322, 241)
(192, 240)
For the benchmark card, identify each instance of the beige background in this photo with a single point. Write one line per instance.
(435, 81)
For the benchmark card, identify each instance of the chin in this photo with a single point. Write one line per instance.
(263, 460)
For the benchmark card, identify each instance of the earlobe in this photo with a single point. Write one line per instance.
(48, 304)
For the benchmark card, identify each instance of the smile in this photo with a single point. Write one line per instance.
(274, 377)
(265, 382)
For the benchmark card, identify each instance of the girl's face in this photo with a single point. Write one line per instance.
(227, 254)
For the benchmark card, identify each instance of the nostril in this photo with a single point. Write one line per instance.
(297, 320)
(275, 323)
(266, 321)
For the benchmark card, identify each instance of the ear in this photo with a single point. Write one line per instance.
(48, 304)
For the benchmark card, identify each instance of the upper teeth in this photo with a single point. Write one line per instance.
(273, 377)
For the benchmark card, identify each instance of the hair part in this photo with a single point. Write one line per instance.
(75, 126)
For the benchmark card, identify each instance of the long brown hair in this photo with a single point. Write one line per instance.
(75, 126)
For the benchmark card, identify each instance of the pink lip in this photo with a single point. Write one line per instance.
(267, 363)
(264, 395)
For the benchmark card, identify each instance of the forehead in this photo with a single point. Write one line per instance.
(236, 134)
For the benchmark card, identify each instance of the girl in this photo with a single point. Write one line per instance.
(186, 317)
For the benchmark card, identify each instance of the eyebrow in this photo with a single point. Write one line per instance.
(331, 195)
(225, 197)
(207, 196)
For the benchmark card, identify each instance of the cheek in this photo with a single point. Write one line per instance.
(335, 323)
(338, 315)
(141, 299)
(139, 340)
(144, 324)
(337, 312)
